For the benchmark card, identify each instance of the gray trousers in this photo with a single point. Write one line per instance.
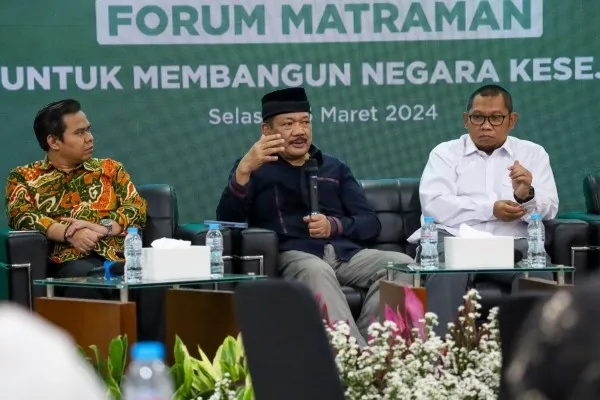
(326, 276)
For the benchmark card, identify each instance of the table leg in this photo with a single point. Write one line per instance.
(417, 280)
(560, 275)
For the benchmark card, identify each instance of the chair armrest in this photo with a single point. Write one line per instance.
(561, 235)
(196, 233)
(24, 247)
(257, 251)
(582, 216)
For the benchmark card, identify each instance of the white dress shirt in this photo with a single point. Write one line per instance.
(460, 185)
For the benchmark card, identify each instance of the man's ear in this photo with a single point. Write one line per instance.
(465, 118)
(512, 119)
(52, 142)
(264, 127)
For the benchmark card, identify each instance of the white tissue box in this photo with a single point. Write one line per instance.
(479, 252)
(171, 264)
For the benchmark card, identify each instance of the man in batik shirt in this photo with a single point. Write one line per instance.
(83, 205)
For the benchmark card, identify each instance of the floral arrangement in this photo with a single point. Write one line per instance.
(405, 359)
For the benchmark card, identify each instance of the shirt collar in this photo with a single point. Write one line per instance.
(91, 165)
(316, 153)
(470, 147)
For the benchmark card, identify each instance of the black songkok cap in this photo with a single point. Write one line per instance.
(284, 101)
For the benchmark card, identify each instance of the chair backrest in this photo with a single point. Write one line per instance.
(161, 210)
(288, 353)
(591, 192)
(397, 204)
(513, 312)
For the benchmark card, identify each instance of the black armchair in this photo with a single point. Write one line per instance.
(398, 207)
(28, 247)
(591, 193)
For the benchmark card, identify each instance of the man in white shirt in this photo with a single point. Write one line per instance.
(488, 180)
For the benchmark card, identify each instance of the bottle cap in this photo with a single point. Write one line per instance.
(428, 219)
(132, 230)
(148, 351)
(214, 226)
(535, 216)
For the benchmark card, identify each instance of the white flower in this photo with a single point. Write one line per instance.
(429, 368)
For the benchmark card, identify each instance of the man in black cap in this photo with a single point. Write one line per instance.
(268, 189)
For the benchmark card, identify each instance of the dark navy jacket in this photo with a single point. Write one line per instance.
(277, 198)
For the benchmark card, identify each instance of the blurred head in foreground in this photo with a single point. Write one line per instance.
(558, 356)
(39, 361)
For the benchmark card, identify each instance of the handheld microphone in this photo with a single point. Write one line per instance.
(312, 170)
(110, 269)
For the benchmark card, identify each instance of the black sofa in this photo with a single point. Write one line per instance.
(397, 204)
(591, 194)
(31, 247)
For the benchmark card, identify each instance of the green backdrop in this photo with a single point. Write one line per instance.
(157, 77)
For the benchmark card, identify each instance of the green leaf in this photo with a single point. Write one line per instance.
(100, 365)
(188, 372)
(245, 392)
(206, 364)
(228, 360)
(239, 350)
(203, 384)
(117, 355)
(180, 352)
(113, 388)
(177, 375)
(85, 355)
(182, 393)
(183, 369)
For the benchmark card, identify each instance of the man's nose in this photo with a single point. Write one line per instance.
(486, 125)
(298, 130)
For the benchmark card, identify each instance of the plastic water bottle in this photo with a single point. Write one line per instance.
(429, 244)
(536, 236)
(133, 256)
(147, 376)
(214, 241)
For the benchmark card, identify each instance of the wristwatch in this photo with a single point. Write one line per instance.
(529, 197)
(107, 223)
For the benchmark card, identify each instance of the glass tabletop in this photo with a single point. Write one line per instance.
(584, 248)
(442, 269)
(117, 283)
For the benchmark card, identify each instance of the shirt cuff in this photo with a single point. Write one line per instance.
(531, 208)
(236, 189)
(43, 223)
(336, 226)
(487, 210)
(118, 218)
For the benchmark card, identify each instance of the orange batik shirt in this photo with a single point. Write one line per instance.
(38, 194)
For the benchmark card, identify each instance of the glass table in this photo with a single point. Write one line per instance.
(124, 287)
(200, 316)
(576, 249)
(416, 271)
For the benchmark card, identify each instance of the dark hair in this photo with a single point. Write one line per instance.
(49, 120)
(492, 90)
(556, 355)
(269, 121)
